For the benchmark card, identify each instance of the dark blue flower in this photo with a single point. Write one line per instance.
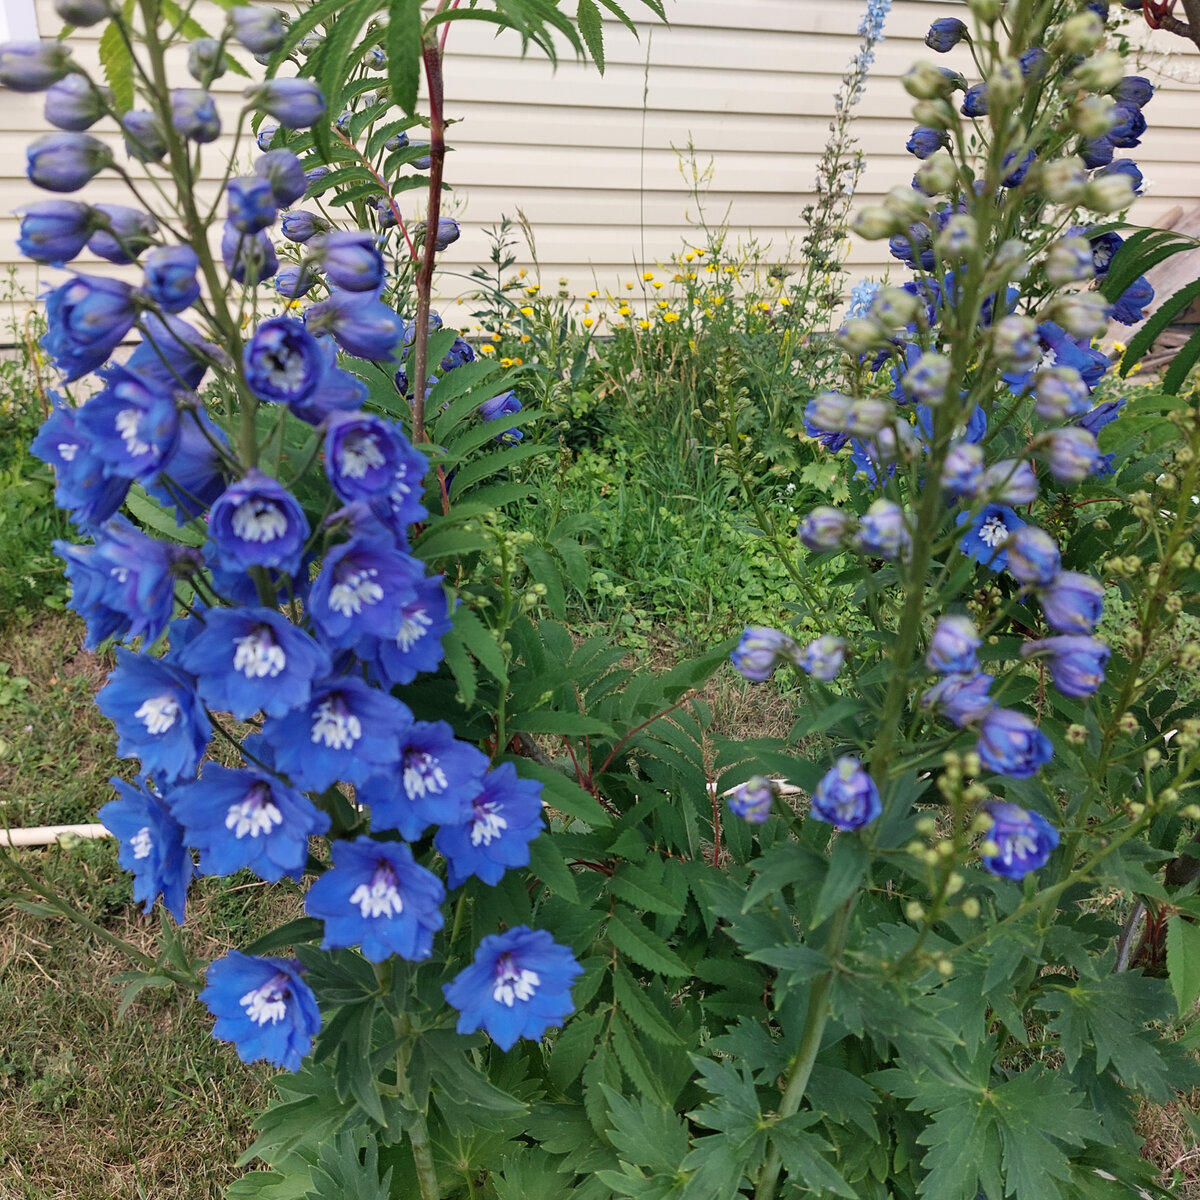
(144, 137)
(133, 428)
(361, 324)
(459, 354)
(252, 203)
(82, 487)
(506, 815)
(975, 101)
(264, 1007)
(64, 162)
(76, 103)
(33, 66)
(1076, 662)
(925, 142)
(150, 847)
(1100, 416)
(195, 476)
(368, 460)
(1011, 744)
(1072, 602)
(350, 259)
(376, 897)
(194, 115)
(347, 731)
(438, 778)
(87, 317)
(1033, 63)
(246, 819)
(124, 585)
(157, 714)
(962, 469)
(259, 29)
(1135, 90)
(954, 647)
(54, 231)
(823, 528)
(256, 522)
(171, 277)
(496, 409)
(248, 257)
(417, 645)
(122, 233)
(1096, 152)
(518, 986)
(1130, 305)
(760, 651)
(945, 33)
(362, 589)
(962, 698)
(753, 800)
(1129, 127)
(251, 659)
(295, 103)
(1024, 840)
(283, 361)
(171, 354)
(846, 797)
(1124, 166)
(988, 534)
(285, 173)
(1033, 556)
(302, 226)
(1016, 176)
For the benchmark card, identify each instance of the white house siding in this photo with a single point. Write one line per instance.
(594, 166)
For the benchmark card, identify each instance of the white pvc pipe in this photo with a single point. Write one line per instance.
(47, 835)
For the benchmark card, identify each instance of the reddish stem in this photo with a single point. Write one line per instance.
(362, 158)
(446, 26)
(638, 729)
(716, 803)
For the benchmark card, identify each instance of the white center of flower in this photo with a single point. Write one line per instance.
(257, 520)
(127, 426)
(284, 370)
(423, 775)
(335, 727)
(488, 825)
(120, 574)
(381, 897)
(348, 595)
(255, 814)
(993, 532)
(158, 713)
(67, 451)
(361, 454)
(1017, 846)
(513, 983)
(269, 1002)
(413, 627)
(142, 843)
(258, 654)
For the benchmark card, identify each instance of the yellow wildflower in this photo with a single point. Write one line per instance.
(521, 273)
(588, 322)
(689, 256)
(657, 283)
(486, 349)
(592, 295)
(648, 275)
(533, 289)
(629, 287)
(670, 317)
(527, 311)
(495, 337)
(785, 302)
(623, 311)
(643, 324)
(524, 337)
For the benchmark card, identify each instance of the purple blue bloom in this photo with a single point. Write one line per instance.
(81, 485)
(846, 797)
(417, 645)
(884, 531)
(350, 259)
(295, 103)
(1011, 744)
(285, 173)
(1076, 662)
(953, 649)
(33, 66)
(823, 658)
(361, 324)
(1024, 840)
(249, 258)
(252, 203)
(988, 534)
(753, 800)
(369, 460)
(54, 231)
(133, 428)
(362, 589)
(962, 698)
(87, 317)
(194, 115)
(75, 103)
(1072, 602)
(760, 651)
(1033, 556)
(257, 522)
(64, 162)
(171, 277)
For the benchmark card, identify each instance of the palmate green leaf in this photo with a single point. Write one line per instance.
(117, 61)
(646, 1134)
(803, 1153)
(643, 946)
(349, 1167)
(404, 52)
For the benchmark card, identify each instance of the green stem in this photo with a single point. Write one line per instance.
(418, 1127)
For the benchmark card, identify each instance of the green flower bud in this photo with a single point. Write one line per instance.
(859, 336)
(874, 222)
(925, 81)
(937, 114)
(1005, 85)
(893, 307)
(938, 174)
(987, 11)
(1093, 116)
(1109, 194)
(1081, 33)
(1063, 180)
(959, 238)
(1100, 73)
(907, 203)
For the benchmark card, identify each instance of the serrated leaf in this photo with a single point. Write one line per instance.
(117, 61)
(565, 724)
(1183, 963)
(803, 1154)
(477, 638)
(562, 794)
(573, 1047)
(646, 1134)
(638, 1007)
(547, 863)
(1185, 359)
(1145, 337)
(592, 28)
(639, 888)
(404, 52)
(643, 946)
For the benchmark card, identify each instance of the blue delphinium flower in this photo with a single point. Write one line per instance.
(350, 259)
(76, 103)
(33, 66)
(823, 658)
(302, 225)
(975, 101)
(925, 142)
(171, 277)
(257, 522)
(518, 986)
(347, 731)
(54, 231)
(283, 361)
(157, 714)
(1130, 306)
(378, 898)
(260, 30)
(846, 797)
(285, 173)
(369, 460)
(962, 698)
(150, 847)
(360, 323)
(134, 428)
(1125, 166)
(124, 586)
(295, 103)
(171, 353)
(249, 258)
(1072, 602)
(251, 659)
(264, 1007)
(1007, 482)
(1129, 127)
(1033, 556)
(1071, 453)
(195, 476)
(1096, 152)
(506, 815)
(82, 487)
(122, 233)
(884, 531)
(194, 115)
(245, 818)
(863, 293)
(145, 140)
(954, 647)
(1061, 392)
(496, 409)
(1024, 840)
(417, 644)
(1011, 744)
(292, 282)
(1100, 416)
(438, 777)
(252, 204)
(753, 800)
(361, 591)
(988, 534)
(1134, 89)
(945, 33)
(962, 469)
(760, 651)
(86, 319)
(1076, 662)
(823, 528)
(64, 162)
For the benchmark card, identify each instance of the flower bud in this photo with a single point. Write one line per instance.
(1015, 343)
(122, 233)
(64, 162)
(987, 11)
(945, 33)
(1109, 193)
(925, 142)
(962, 471)
(1061, 393)
(828, 412)
(1092, 116)
(55, 231)
(258, 28)
(285, 173)
(1071, 453)
(866, 417)
(1009, 481)
(934, 114)
(205, 60)
(823, 658)
(301, 226)
(926, 380)
(937, 174)
(895, 307)
(144, 136)
(846, 797)
(975, 101)
(970, 908)
(1069, 260)
(350, 259)
(954, 646)
(875, 222)
(753, 799)
(295, 103)
(925, 81)
(1006, 84)
(1100, 73)
(883, 531)
(33, 66)
(959, 238)
(824, 528)
(1033, 556)
(1063, 180)
(760, 651)
(171, 277)
(251, 203)
(82, 13)
(1081, 33)
(1076, 662)
(1081, 314)
(1011, 259)
(194, 115)
(859, 335)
